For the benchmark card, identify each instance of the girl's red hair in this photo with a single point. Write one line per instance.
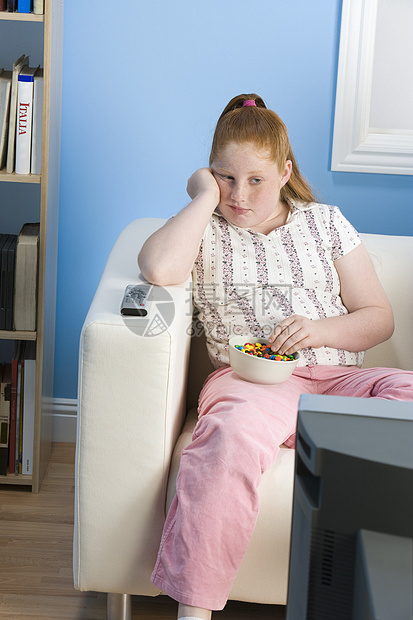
(264, 128)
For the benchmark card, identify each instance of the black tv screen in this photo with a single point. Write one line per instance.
(352, 529)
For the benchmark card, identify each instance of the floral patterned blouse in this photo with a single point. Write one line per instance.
(245, 282)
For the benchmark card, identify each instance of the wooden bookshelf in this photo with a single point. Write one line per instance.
(51, 42)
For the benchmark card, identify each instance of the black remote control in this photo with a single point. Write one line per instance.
(135, 300)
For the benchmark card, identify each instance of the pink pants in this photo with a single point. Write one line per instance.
(240, 428)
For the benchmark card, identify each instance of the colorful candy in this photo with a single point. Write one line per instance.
(257, 349)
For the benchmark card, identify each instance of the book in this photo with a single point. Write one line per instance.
(19, 415)
(4, 417)
(5, 92)
(38, 7)
(13, 405)
(8, 252)
(11, 143)
(24, 6)
(25, 278)
(4, 240)
(29, 399)
(11, 262)
(37, 126)
(24, 119)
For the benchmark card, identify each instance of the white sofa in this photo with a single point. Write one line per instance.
(134, 393)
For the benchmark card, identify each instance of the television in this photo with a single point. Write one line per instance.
(352, 525)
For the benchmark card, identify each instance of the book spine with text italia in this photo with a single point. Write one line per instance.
(24, 120)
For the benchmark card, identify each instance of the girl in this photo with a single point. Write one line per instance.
(262, 253)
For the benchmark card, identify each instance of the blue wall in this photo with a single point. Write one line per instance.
(142, 90)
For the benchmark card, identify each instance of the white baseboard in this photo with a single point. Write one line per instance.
(64, 417)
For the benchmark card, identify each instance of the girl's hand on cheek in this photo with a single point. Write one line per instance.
(295, 333)
(203, 180)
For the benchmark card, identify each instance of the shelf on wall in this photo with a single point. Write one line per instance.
(20, 480)
(17, 335)
(19, 178)
(21, 17)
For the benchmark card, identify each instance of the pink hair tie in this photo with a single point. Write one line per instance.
(249, 102)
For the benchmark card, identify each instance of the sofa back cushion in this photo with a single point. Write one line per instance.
(393, 257)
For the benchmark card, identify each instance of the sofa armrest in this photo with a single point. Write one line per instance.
(131, 406)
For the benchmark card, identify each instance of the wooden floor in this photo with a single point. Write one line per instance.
(36, 558)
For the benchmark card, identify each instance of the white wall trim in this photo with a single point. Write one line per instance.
(357, 147)
(64, 416)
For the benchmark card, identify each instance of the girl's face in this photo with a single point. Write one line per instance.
(250, 185)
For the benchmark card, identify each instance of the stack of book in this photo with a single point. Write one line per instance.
(19, 255)
(17, 410)
(21, 116)
(23, 6)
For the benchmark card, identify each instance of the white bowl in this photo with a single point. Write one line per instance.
(258, 369)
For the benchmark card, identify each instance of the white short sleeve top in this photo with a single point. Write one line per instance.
(245, 282)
